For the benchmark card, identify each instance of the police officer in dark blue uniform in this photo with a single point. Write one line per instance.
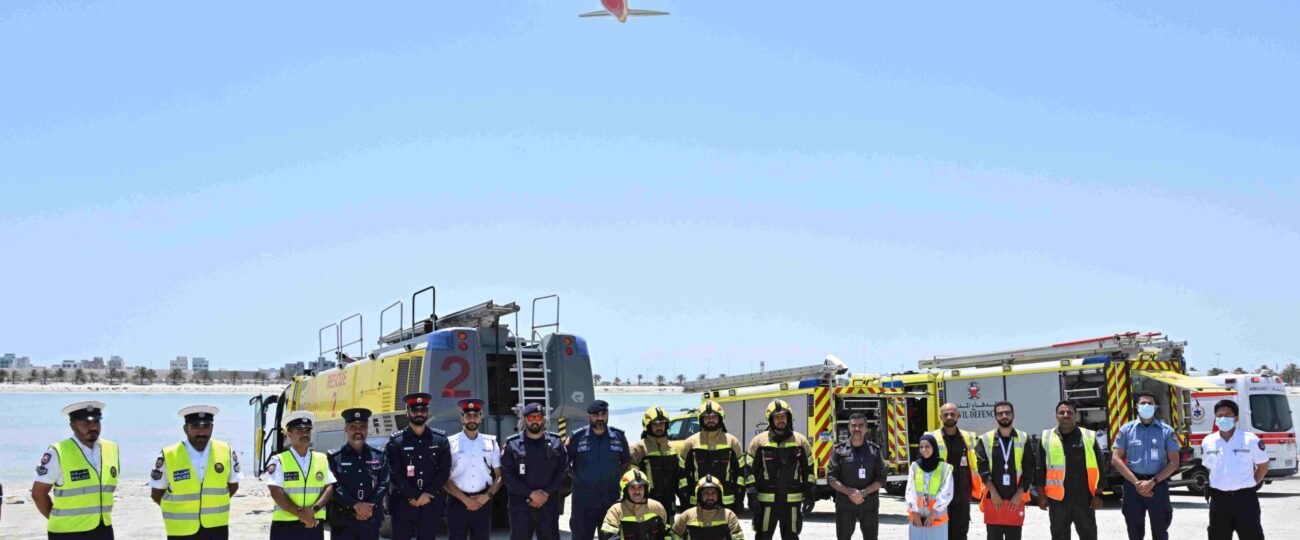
(361, 471)
(534, 465)
(598, 456)
(419, 463)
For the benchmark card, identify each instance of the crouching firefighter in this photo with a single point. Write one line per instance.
(636, 516)
(782, 474)
(709, 520)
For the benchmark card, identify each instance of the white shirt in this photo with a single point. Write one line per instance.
(53, 473)
(276, 472)
(1232, 462)
(473, 460)
(941, 500)
(160, 477)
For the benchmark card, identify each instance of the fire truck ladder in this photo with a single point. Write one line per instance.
(1116, 346)
(532, 378)
(829, 367)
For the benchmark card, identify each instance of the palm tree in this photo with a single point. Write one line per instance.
(618, 381)
(79, 376)
(681, 379)
(1215, 371)
(1291, 373)
(31, 377)
(595, 379)
(3, 375)
(141, 373)
(701, 377)
(235, 377)
(60, 375)
(45, 375)
(114, 375)
(176, 376)
(259, 377)
(660, 380)
(638, 379)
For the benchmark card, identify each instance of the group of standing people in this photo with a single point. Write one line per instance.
(649, 490)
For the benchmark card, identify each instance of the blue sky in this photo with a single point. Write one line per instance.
(707, 190)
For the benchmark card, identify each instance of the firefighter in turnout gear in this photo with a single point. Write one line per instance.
(713, 452)
(657, 458)
(193, 480)
(709, 520)
(636, 516)
(782, 473)
(966, 482)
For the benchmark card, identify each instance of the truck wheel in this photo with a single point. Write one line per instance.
(895, 488)
(1200, 478)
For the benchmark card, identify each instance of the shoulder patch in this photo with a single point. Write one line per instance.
(512, 437)
(334, 451)
(1260, 443)
(156, 474)
(438, 431)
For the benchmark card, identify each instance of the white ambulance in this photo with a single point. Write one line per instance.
(1264, 410)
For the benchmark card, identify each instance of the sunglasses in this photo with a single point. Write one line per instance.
(534, 417)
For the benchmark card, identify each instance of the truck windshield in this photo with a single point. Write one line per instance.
(1270, 413)
(681, 428)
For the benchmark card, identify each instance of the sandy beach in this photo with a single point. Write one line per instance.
(638, 389)
(143, 389)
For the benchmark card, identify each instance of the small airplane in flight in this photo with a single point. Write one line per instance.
(618, 9)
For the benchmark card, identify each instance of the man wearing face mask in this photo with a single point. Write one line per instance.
(419, 463)
(193, 480)
(1145, 453)
(1237, 463)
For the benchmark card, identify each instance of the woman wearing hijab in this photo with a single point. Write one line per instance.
(929, 490)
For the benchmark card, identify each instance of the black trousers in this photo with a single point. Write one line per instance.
(356, 530)
(1002, 532)
(1136, 508)
(864, 517)
(102, 532)
(1063, 514)
(1235, 511)
(295, 530)
(462, 524)
(420, 523)
(959, 515)
(215, 533)
(527, 522)
(768, 517)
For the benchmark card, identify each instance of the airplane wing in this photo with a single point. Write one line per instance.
(645, 12)
(601, 13)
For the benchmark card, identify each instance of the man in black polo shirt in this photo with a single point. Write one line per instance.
(856, 472)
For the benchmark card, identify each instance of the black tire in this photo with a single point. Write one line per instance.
(895, 488)
(1200, 477)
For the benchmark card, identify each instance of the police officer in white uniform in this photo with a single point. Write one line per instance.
(1237, 464)
(475, 476)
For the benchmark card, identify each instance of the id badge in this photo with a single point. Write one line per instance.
(963, 462)
(1006, 479)
(862, 474)
(1155, 454)
(521, 468)
(410, 471)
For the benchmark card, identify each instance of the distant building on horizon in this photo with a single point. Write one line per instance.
(293, 368)
(182, 363)
(8, 360)
(23, 362)
(199, 363)
(321, 364)
(116, 362)
(97, 363)
(69, 364)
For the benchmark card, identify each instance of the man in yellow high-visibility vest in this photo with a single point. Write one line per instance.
(300, 482)
(193, 480)
(1071, 476)
(81, 474)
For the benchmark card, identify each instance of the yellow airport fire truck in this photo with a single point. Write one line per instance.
(467, 353)
(1099, 375)
(822, 399)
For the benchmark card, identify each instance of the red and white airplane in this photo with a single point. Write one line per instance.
(618, 9)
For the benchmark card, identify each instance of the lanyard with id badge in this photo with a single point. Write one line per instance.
(1007, 450)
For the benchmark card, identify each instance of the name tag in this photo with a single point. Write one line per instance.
(83, 474)
(1155, 454)
(1006, 479)
(521, 469)
(963, 462)
(410, 470)
(183, 474)
(290, 476)
(862, 474)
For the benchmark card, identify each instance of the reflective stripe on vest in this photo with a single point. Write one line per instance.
(1054, 449)
(976, 483)
(187, 504)
(80, 505)
(307, 489)
(1017, 455)
(794, 486)
(926, 493)
(703, 462)
(646, 526)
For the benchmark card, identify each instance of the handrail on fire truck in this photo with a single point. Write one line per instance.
(1117, 346)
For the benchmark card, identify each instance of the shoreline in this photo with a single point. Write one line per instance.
(10, 388)
(639, 390)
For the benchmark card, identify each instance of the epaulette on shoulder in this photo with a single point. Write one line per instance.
(489, 437)
(616, 430)
(438, 431)
(379, 450)
(332, 452)
(395, 435)
(512, 437)
(554, 434)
